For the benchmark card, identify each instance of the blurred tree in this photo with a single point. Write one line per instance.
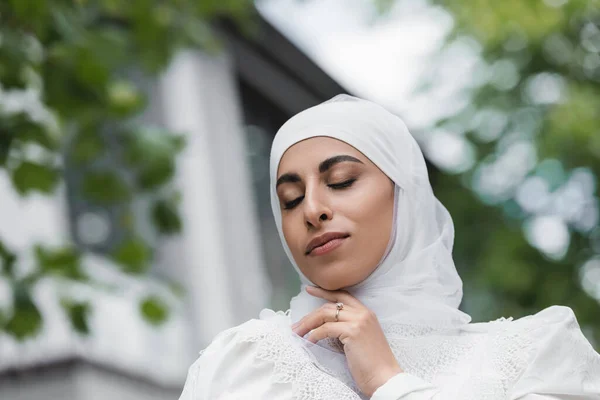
(64, 82)
(527, 132)
(523, 195)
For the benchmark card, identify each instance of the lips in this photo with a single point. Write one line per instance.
(323, 239)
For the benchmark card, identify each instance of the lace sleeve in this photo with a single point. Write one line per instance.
(541, 357)
(405, 386)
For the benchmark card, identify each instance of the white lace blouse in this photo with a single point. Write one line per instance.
(540, 357)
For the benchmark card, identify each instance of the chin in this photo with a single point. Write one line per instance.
(335, 280)
(334, 275)
(332, 286)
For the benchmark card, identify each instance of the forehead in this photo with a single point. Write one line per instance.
(310, 152)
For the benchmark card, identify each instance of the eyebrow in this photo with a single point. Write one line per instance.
(330, 162)
(288, 178)
(323, 167)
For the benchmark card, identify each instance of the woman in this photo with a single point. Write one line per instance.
(378, 314)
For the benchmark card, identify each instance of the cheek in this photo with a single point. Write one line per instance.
(291, 232)
(373, 213)
(373, 204)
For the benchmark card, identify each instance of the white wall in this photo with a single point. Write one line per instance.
(218, 258)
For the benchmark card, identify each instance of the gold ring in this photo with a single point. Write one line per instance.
(339, 307)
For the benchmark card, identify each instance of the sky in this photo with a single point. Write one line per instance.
(382, 58)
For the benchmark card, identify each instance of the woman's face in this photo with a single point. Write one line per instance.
(336, 211)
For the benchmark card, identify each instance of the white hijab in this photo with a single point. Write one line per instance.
(416, 282)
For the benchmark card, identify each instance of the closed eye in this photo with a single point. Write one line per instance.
(336, 186)
(342, 185)
(291, 204)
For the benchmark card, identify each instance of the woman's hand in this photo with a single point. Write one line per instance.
(369, 356)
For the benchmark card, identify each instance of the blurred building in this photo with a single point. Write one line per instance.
(228, 259)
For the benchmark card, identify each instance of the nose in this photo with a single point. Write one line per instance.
(316, 209)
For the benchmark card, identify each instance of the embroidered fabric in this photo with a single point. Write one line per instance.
(294, 365)
(503, 359)
(480, 361)
(497, 359)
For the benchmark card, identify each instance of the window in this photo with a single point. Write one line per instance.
(262, 119)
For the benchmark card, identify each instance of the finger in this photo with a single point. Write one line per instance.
(321, 316)
(335, 296)
(335, 330)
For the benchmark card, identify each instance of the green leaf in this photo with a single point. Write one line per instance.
(67, 23)
(6, 139)
(90, 71)
(152, 152)
(17, 129)
(124, 98)
(33, 15)
(30, 176)
(157, 140)
(8, 259)
(35, 133)
(155, 174)
(133, 255)
(13, 58)
(65, 261)
(147, 144)
(493, 22)
(154, 310)
(78, 313)
(26, 320)
(67, 93)
(3, 318)
(86, 147)
(165, 217)
(114, 7)
(105, 187)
